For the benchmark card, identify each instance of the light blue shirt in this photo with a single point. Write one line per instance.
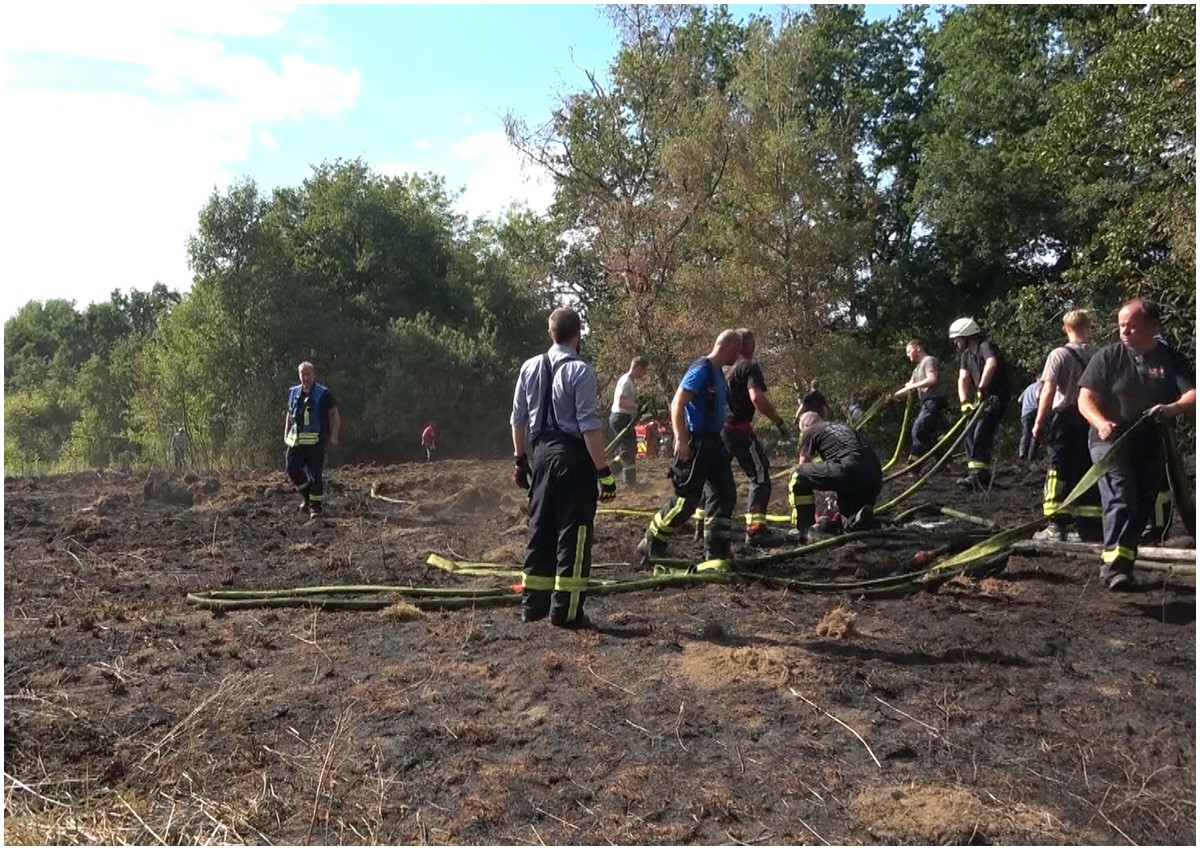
(573, 394)
(1029, 398)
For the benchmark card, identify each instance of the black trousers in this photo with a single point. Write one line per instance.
(929, 425)
(1128, 492)
(1068, 460)
(627, 448)
(747, 449)
(708, 474)
(305, 466)
(562, 516)
(1027, 447)
(981, 436)
(856, 485)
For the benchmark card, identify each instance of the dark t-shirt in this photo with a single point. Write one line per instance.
(1127, 384)
(974, 363)
(744, 375)
(813, 400)
(837, 442)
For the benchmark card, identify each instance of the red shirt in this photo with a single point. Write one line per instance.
(428, 435)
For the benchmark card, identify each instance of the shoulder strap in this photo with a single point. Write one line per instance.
(546, 418)
(1078, 357)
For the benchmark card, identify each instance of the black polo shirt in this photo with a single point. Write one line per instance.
(836, 442)
(974, 363)
(744, 375)
(1127, 384)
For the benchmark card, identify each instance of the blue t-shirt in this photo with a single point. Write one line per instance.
(706, 411)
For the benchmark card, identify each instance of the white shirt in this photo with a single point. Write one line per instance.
(625, 397)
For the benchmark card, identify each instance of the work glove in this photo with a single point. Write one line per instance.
(521, 471)
(608, 484)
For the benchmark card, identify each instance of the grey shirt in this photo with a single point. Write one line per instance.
(573, 394)
(928, 366)
(1063, 370)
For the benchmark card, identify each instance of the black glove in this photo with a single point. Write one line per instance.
(608, 485)
(521, 471)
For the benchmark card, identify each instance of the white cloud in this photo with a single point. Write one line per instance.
(267, 140)
(499, 177)
(421, 144)
(397, 169)
(102, 188)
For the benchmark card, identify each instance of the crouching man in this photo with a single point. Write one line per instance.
(848, 467)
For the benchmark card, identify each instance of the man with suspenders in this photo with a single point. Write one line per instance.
(555, 415)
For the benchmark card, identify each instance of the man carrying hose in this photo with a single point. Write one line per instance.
(702, 464)
(1059, 424)
(556, 416)
(931, 417)
(848, 467)
(982, 380)
(623, 418)
(1123, 382)
(747, 394)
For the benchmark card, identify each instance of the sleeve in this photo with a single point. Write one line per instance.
(330, 400)
(1185, 375)
(587, 409)
(806, 445)
(1053, 366)
(520, 406)
(695, 379)
(986, 351)
(755, 378)
(1095, 376)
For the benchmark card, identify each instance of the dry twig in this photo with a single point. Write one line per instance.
(870, 752)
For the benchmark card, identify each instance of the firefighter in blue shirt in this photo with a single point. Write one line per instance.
(702, 463)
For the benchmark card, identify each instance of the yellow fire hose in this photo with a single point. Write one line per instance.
(908, 406)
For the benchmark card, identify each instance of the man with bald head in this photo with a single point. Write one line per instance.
(1123, 382)
(702, 463)
(848, 466)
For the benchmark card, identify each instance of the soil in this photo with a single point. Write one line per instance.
(1031, 706)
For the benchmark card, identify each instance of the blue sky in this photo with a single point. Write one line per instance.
(121, 118)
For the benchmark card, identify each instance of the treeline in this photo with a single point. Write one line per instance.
(836, 183)
(408, 313)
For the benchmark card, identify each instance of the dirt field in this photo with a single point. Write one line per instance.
(1027, 707)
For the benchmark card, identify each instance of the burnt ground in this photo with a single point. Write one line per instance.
(1031, 706)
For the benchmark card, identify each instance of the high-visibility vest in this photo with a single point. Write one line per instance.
(306, 416)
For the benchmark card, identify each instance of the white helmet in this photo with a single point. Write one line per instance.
(964, 327)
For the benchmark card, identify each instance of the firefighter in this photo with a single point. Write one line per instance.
(1059, 424)
(931, 418)
(311, 422)
(556, 416)
(622, 418)
(748, 394)
(982, 380)
(1123, 381)
(848, 466)
(702, 463)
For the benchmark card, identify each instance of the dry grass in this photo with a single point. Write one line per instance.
(836, 624)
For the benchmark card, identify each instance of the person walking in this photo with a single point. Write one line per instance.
(623, 416)
(179, 444)
(982, 380)
(311, 422)
(429, 441)
(1027, 447)
(702, 464)
(931, 398)
(848, 466)
(1058, 423)
(1122, 382)
(556, 416)
(748, 395)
